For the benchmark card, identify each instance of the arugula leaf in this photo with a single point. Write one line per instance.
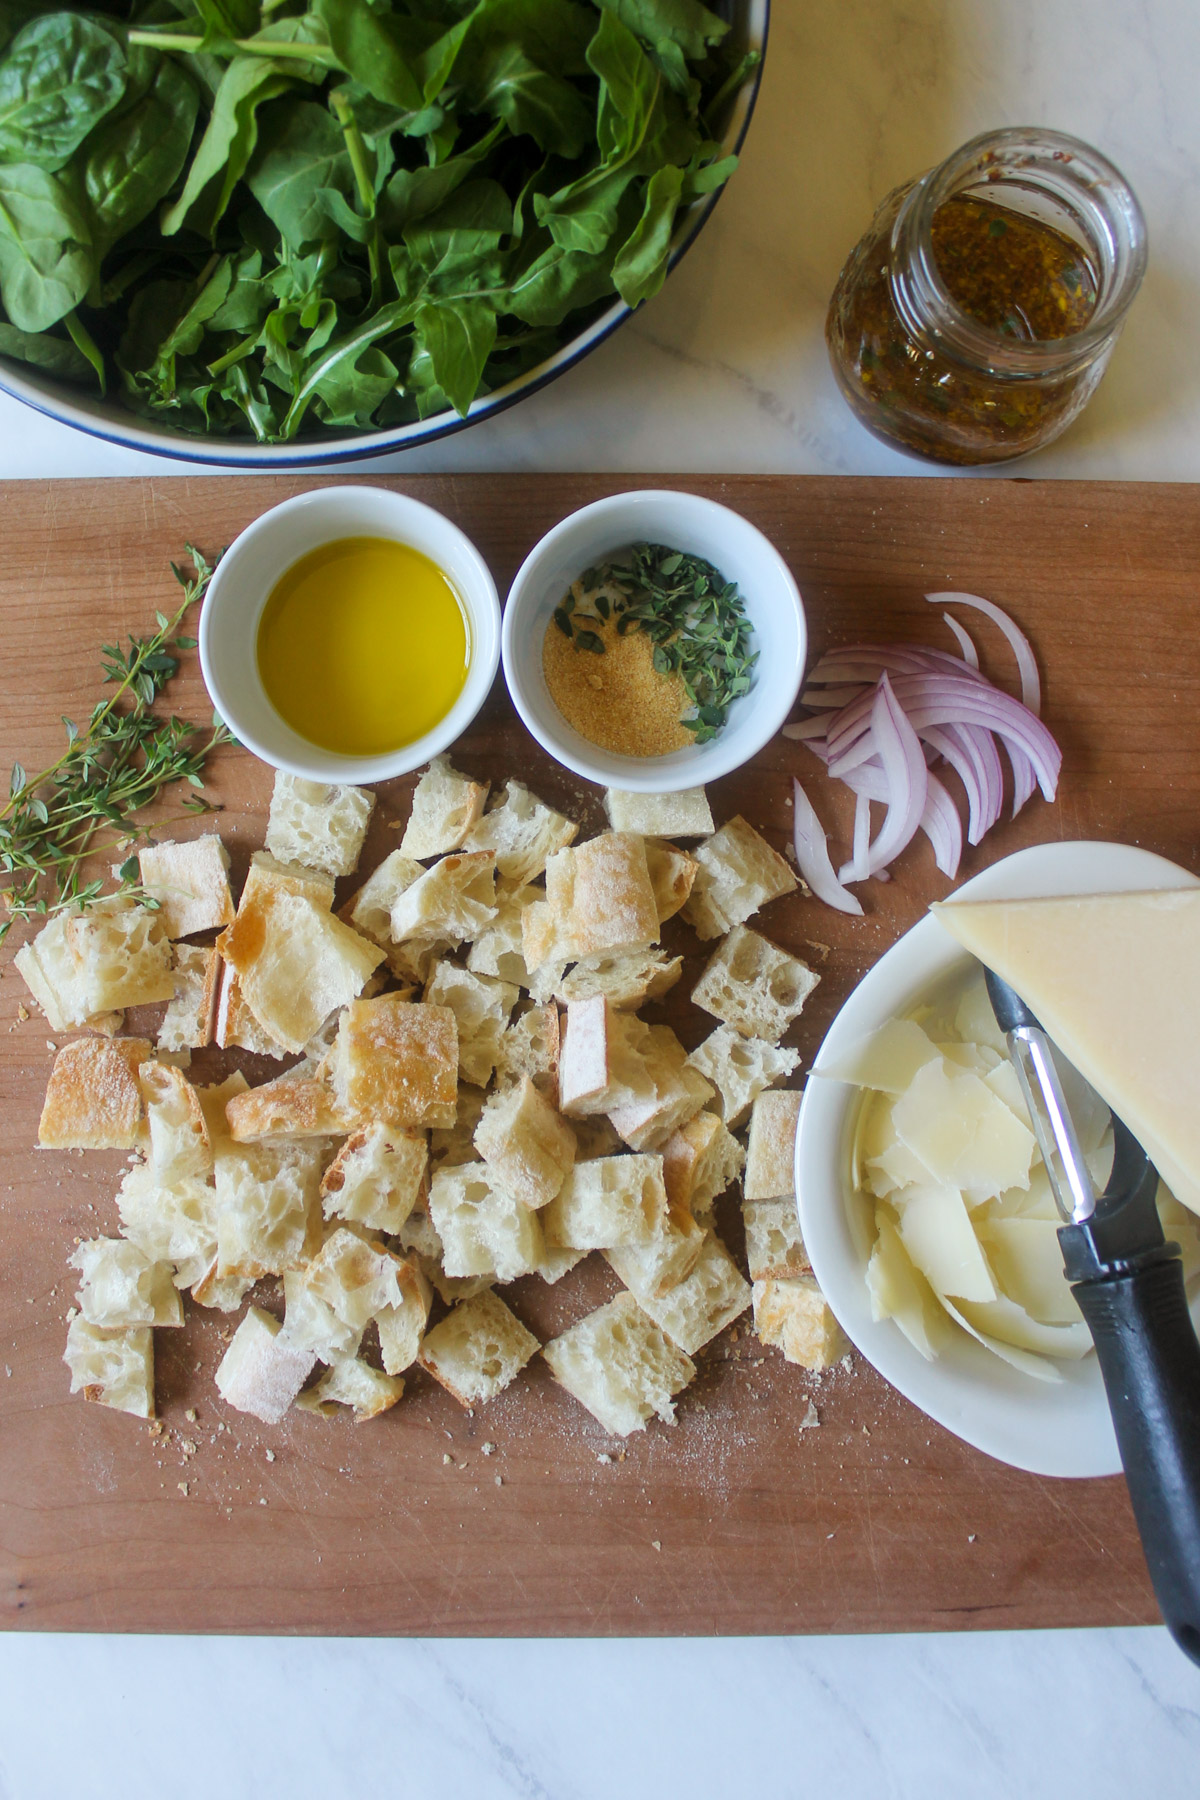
(61, 74)
(684, 23)
(641, 265)
(301, 156)
(46, 260)
(509, 86)
(382, 50)
(228, 143)
(457, 336)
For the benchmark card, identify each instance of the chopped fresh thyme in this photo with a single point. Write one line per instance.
(695, 619)
(117, 765)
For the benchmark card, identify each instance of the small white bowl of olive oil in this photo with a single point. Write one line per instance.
(350, 634)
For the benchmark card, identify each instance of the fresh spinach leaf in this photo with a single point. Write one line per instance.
(301, 156)
(46, 261)
(60, 75)
(382, 50)
(133, 158)
(57, 356)
(228, 143)
(685, 23)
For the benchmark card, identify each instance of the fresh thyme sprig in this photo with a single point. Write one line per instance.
(695, 619)
(117, 765)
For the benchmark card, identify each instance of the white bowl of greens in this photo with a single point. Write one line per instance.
(295, 233)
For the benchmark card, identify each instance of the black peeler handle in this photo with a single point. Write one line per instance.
(1150, 1361)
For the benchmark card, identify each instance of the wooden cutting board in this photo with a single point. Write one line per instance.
(747, 1516)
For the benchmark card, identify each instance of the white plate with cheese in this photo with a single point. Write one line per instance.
(1060, 1430)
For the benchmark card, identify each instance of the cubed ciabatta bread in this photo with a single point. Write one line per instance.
(738, 872)
(192, 1014)
(620, 1366)
(263, 1370)
(58, 984)
(190, 881)
(771, 1149)
(93, 1098)
(267, 874)
(753, 985)
(685, 814)
(638, 1074)
(179, 1142)
(401, 1326)
(498, 948)
(670, 1092)
(528, 1148)
(444, 808)
(774, 1245)
(595, 1137)
(793, 1316)
(234, 1025)
(600, 897)
(170, 1221)
(452, 901)
(478, 1349)
(484, 1229)
(213, 1100)
(370, 909)
(290, 1107)
(626, 979)
(312, 1324)
(669, 1257)
(113, 1368)
(691, 1314)
(672, 876)
(317, 824)
(355, 1278)
(268, 1206)
(351, 1382)
(395, 1062)
(123, 954)
(610, 1200)
(740, 1068)
(532, 1046)
(481, 1004)
(557, 1263)
(455, 1144)
(121, 1288)
(597, 1043)
(523, 833)
(699, 1162)
(376, 1178)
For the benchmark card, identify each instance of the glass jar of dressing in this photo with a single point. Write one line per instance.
(974, 320)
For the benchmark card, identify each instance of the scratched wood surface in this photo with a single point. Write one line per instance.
(526, 1518)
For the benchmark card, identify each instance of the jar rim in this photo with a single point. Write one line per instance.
(1054, 163)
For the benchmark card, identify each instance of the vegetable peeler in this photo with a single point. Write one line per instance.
(1128, 1281)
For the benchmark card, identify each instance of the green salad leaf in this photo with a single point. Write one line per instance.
(266, 217)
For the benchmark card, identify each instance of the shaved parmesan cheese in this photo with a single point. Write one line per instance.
(1040, 1367)
(1027, 1262)
(1004, 1319)
(937, 1232)
(899, 1292)
(885, 1060)
(963, 1132)
(974, 1020)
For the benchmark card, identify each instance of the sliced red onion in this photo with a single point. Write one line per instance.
(965, 641)
(940, 821)
(812, 855)
(903, 761)
(1024, 779)
(859, 866)
(1031, 687)
(805, 729)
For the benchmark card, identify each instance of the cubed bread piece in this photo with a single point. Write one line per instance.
(179, 1143)
(268, 875)
(674, 1092)
(741, 1068)
(793, 1315)
(320, 825)
(456, 1143)
(122, 1288)
(481, 1004)
(611, 1200)
(691, 1314)
(595, 1137)
(452, 901)
(213, 1101)
(370, 909)
(498, 948)
(672, 876)
(170, 1221)
(557, 1263)
(526, 1145)
(601, 897)
(523, 833)
(290, 1107)
(419, 1236)
(401, 1326)
(376, 1178)
(699, 1162)
(546, 948)
(263, 1370)
(294, 961)
(123, 954)
(353, 1383)
(313, 1324)
(684, 814)
(235, 1026)
(754, 986)
(190, 881)
(355, 1278)
(221, 1293)
(738, 872)
(52, 974)
(601, 1065)
(478, 1349)
(192, 1014)
(93, 1100)
(268, 1206)
(114, 1368)
(774, 1246)
(771, 1150)
(396, 1063)
(669, 1257)
(484, 1229)
(620, 1366)
(532, 1046)
(625, 979)
(444, 808)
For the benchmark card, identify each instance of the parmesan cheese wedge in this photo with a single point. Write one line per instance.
(1114, 980)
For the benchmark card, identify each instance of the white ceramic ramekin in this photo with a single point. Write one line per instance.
(702, 528)
(249, 571)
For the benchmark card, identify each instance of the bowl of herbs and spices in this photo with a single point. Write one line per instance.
(654, 641)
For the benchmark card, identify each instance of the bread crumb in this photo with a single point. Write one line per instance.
(830, 1534)
(488, 1449)
(499, 1481)
(183, 1488)
(22, 1014)
(447, 1459)
(604, 1457)
(188, 1446)
(262, 1500)
(52, 1048)
(190, 1415)
(971, 1538)
(811, 1418)
(270, 1455)
(654, 1544)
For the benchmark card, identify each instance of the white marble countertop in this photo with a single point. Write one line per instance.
(726, 369)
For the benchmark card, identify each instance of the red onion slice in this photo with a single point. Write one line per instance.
(940, 821)
(812, 855)
(859, 866)
(1031, 687)
(965, 640)
(903, 761)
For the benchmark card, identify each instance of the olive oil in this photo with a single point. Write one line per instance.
(363, 646)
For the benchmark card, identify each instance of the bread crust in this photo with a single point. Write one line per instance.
(93, 1098)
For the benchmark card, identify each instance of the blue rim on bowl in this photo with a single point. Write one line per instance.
(113, 425)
